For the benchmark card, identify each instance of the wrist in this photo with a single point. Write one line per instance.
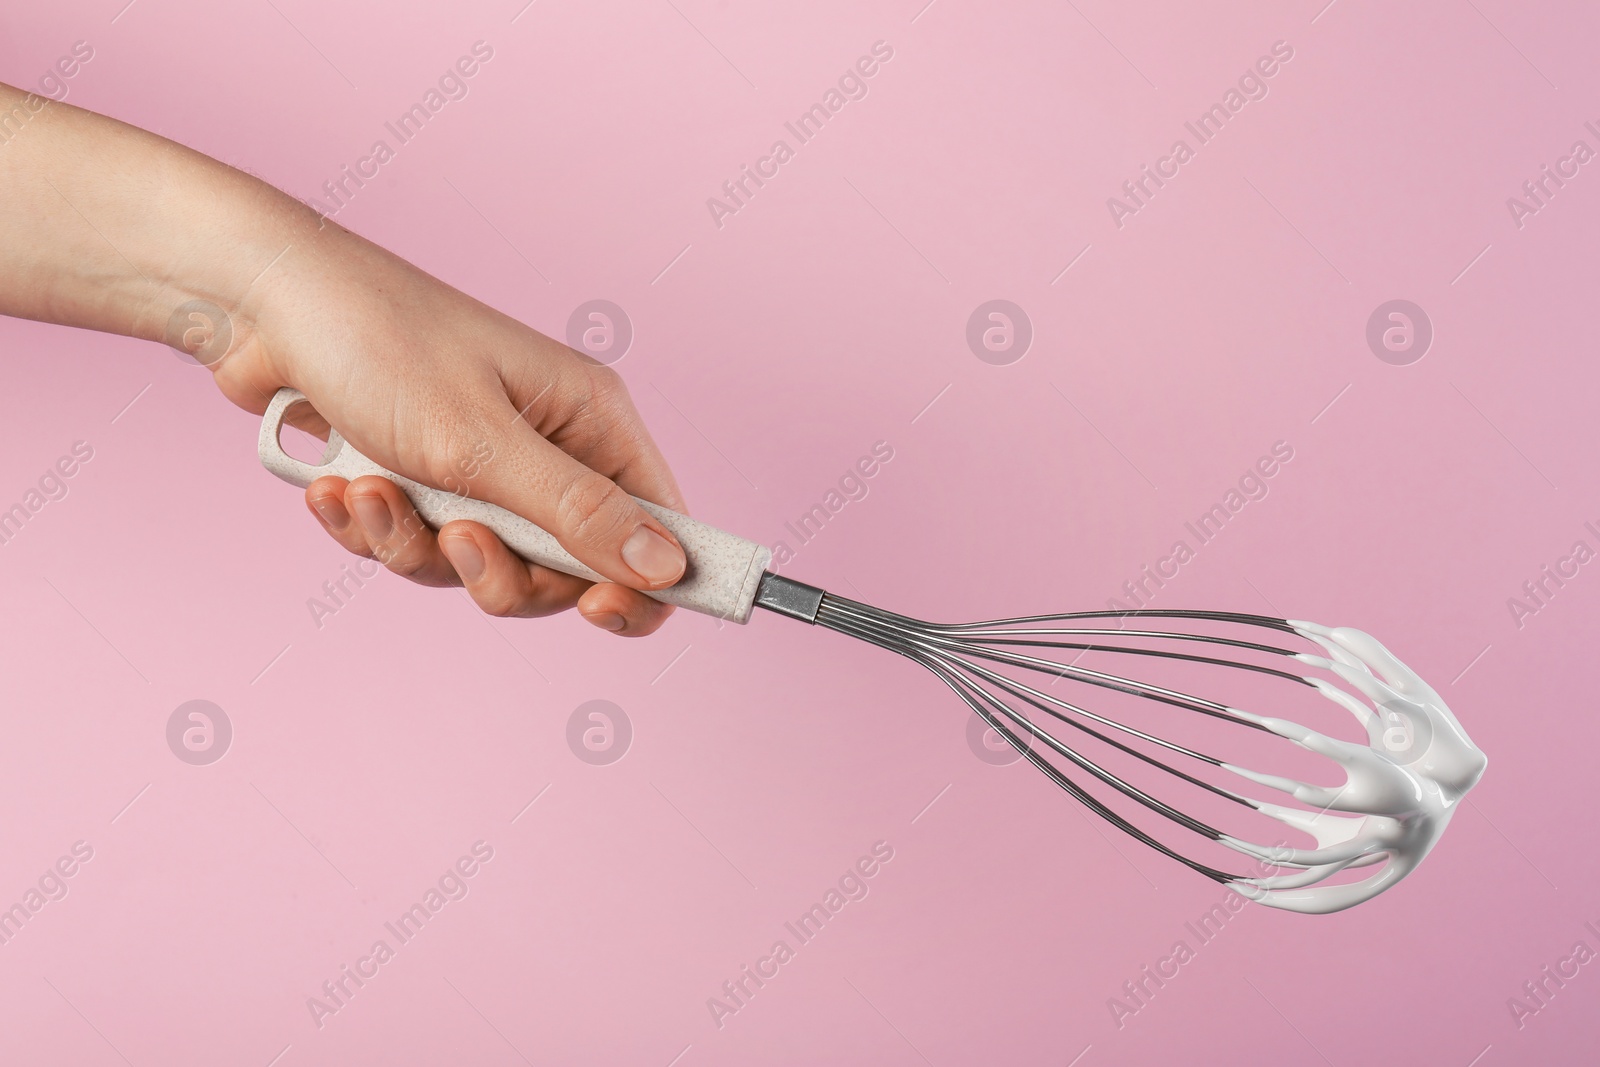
(239, 237)
(112, 228)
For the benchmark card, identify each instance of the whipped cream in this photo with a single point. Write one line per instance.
(1401, 788)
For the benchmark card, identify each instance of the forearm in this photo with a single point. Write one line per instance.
(109, 227)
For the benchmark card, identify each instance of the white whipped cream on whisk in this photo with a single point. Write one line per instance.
(1401, 788)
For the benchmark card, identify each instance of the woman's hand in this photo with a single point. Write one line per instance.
(114, 228)
(442, 389)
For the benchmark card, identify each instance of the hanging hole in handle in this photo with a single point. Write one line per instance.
(305, 435)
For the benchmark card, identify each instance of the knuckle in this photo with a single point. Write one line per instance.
(394, 560)
(443, 469)
(351, 539)
(592, 507)
(356, 546)
(400, 557)
(456, 452)
(605, 385)
(608, 397)
(548, 593)
(501, 603)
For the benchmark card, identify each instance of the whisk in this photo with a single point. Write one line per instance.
(1113, 742)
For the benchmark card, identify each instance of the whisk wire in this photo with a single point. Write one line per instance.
(953, 651)
(965, 690)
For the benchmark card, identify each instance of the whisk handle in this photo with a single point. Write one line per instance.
(724, 570)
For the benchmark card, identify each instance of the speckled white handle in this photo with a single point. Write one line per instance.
(723, 573)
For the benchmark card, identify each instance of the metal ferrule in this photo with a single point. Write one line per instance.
(788, 597)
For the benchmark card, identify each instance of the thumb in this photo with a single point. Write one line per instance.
(593, 517)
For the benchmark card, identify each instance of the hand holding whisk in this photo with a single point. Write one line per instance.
(1119, 709)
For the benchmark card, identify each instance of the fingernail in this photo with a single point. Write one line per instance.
(464, 556)
(332, 512)
(608, 621)
(653, 557)
(374, 516)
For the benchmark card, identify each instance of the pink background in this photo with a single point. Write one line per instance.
(1226, 315)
